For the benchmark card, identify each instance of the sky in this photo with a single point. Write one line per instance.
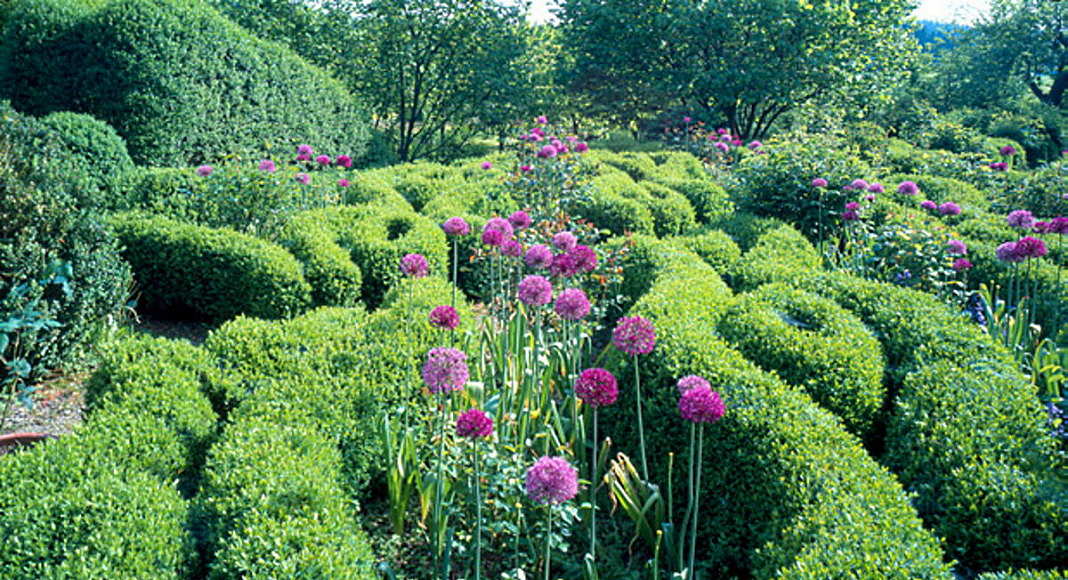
(959, 11)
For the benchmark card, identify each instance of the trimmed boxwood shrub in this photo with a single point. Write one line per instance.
(184, 269)
(780, 255)
(97, 153)
(645, 259)
(746, 228)
(672, 212)
(335, 280)
(709, 200)
(152, 69)
(638, 166)
(794, 495)
(813, 343)
(1026, 575)
(715, 247)
(609, 209)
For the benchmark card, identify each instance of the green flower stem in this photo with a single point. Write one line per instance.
(690, 492)
(641, 424)
(439, 482)
(548, 539)
(478, 517)
(455, 265)
(696, 501)
(593, 491)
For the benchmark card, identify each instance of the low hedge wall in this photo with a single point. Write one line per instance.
(209, 273)
(779, 255)
(812, 343)
(335, 280)
(790, 493)
(715, 247)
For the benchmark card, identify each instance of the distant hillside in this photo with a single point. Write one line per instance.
(935, 37)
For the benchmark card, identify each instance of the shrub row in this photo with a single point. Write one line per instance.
(715, 247)
(779, 255)
(793, 494)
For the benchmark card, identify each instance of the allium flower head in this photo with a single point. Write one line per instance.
(1030, 247)
(870, 197)
(957, 247)
(414, 265)
(323, 160)
(1008, 252)
(928, 205)
(487, 165)
(755, 145)
(268, 166)
(542, 120)
(949, 208)
(302, 178)
(961, 264)
(1020, 218)
(535, 291)
(343, 182)
(1040, 227)
(572, 304)
(1007, 150)
(723, 147)
(634, 335)
(908, 188)
(876, 188)
(1058, 225)
(519, 220)
(445, 369)
(496, 231)
(701, 405)
(819, 182)
(205, 170)
(547, 152)
(474, 424)
(551, 480)
(303, 157)
(526, 168)
(596, 387)
(305, 150)
(687, 120)
(850, 215)
(999, 166)
(564, 241)
(692, 382)
(581, 147)
(584, 257)
(512, 248)
(859, 184)
(456, 226)
(539, 257)
(444, 317)
(852, 205)
(344, 161)
(563, 266)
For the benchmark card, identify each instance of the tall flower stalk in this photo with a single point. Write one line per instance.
(636, 336)
(596, 388)
(551, 481)
(475, 425)
(699, 404)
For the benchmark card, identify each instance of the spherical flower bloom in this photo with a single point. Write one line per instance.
(850, 215)
(581, 147)
(414, 265)
(819, 182)
(1008, 252)
(755, 145)
(323, 160)
(526, 168)
(445, 369)
(444, 317)
(564, 241)
(726, 138)
(302, 178)
(876, 188)
(572, 304)
(1007, 150)
(343, 182)
(736, 142)
(305, 150)
(859, 184)
(474, 424)
(1020, 218)
(563, 266)
(721, 131)
(634, 335)
(303, 157)
(1058, 225)
(692, 382)
(535, 291)
(870, 197)
(949, 208)
(928, 204)
(551, 480)
(456, 226)
(542, 120)
(957, 247)
(908, 188)
(687, 120)
(487, 165)
(852, 206)
(547, 152)
(538, 131)
(723, 147)
(268, 166)
(520, 220)
(539, 256)
(496, 231)
(701, 405)
(999, 166)
(344, 161)
(534, 137)
(1040, 227)
(205, 170)
(596, 388)
(1029, 247)
(512, 248)
(961, 264)
(584, 257)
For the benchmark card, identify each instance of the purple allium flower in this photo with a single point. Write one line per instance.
(701, 405)
(723, 147)
(535, 291)
(268, 166)
(526, 168)
(487, 165)
(572, 304)
(563, 265)
(692, 382)
(445, 369)
(736, 142)
(519, 220)
(564, 241)
(474, 424)
(1058, 225)
(755, 145)
(305, 150)
(302, 178)
(852, 206)
(957, 247)
(584, 257)
(343, 182)
(1040, 227)
(344, 161)
(496, 231)
(859, 184)
(1030, 247)
(928, 205)
(444, 317)
(961, 264)
(908, 188)
(414, 265)
(534, 137)
(949, 208)
(547, 152)
(1007, 151)
(869, 197)
(581, 147)
(538, 131)
(876, 188)
(456, 226)
(634, 335)
(687, 120)
(596, 387)
(512, 248)
(999, 166)
(542, 120)
(819, 182)
(1008, 252)
(1020, 218)
(551, 480)
(205, 170)
(850, 215)
(323, 160)
(539, 257)
(721, 131)
(303, 157)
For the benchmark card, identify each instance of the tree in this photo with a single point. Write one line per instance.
(750, 61)
(1029, 40)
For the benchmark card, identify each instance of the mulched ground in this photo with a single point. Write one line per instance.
(57, 410)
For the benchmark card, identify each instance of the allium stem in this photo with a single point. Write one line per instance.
(593, 491)
(1056, 326)
(478, 517)
(439, 483)
(696, 501)
(455, 265)
(685, 523)
(641, 424)
(548, 539)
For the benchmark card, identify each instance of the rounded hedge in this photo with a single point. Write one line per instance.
(97, 151)
(189, 270)
(335, 280)
(715, 247)
(812, 343)
(779, 255)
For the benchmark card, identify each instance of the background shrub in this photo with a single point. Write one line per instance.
(97, 153)
(780, 255)
(715, 247)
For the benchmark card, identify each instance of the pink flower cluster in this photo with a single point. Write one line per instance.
(634, 335)
(596, 387)
(1023, 249)
(551, 480)
(554, 145)
(445, 370)
(698, 403)
(474, 424)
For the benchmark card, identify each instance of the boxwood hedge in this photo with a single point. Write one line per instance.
(780, 255)
(715, 247)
